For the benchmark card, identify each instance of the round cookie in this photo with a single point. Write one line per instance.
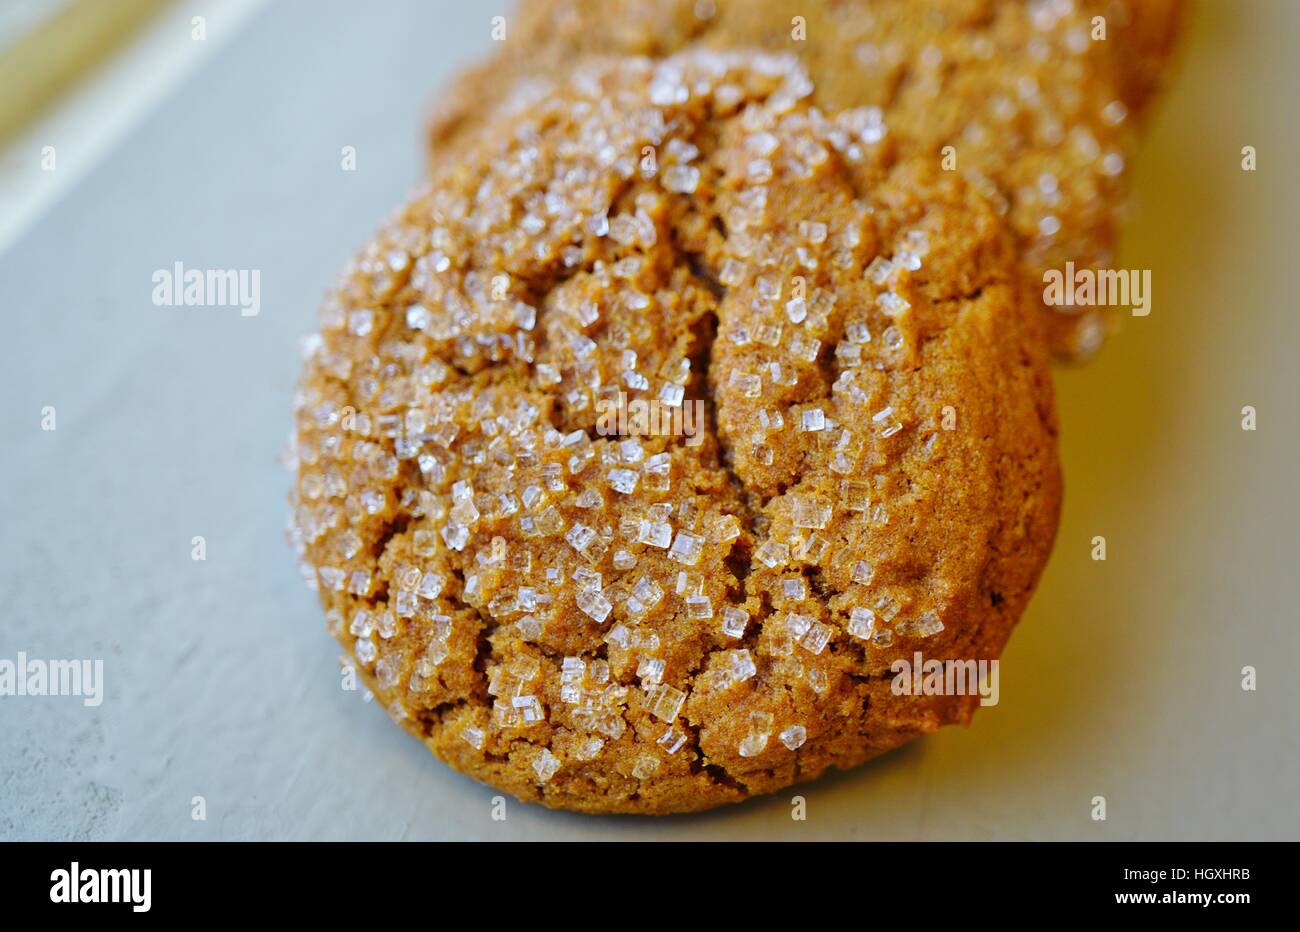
(853, 460)
(1031, 105)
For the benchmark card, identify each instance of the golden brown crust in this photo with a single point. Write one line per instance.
(876, 473)
(1030, 103)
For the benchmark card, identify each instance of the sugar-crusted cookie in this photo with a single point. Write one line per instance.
(592, 615)
(1035, 106)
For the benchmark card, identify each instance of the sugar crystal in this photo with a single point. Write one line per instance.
(794, 737)
(686, 548)
(815, 640)
(595, 605)
(667, 703)
(734, 621)
(623, 480)
(772, 554)
(810, 512)
(546, 765)
(672, 740)
(742, 665)
(862, 622)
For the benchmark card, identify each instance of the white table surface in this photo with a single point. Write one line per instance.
(1123, 681)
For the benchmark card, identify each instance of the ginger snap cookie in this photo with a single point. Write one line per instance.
(636, 448)
(1034, 101)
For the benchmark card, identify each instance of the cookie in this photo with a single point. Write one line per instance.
(634, 450)
(1033, 107)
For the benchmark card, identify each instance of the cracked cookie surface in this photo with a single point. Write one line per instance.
(1033, 107)
(650, 621)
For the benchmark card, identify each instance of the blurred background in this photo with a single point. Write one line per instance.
(222, 147)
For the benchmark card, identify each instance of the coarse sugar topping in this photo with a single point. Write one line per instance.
(689, 233)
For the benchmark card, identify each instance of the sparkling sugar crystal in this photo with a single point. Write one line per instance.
(586, 579)
(645, 595)
(771, 554)
(668, 703)
(794, 737)
(797, 625)
(891, 304)
(812, 231)
(623, 480)
(362, 624)
(887, 607)
(529, 708)
(856, 332)
(546, 765)
(645, 767)
(573, 670)
(812, 549)
(879, 270)
(725, 529)
(749, 386)
(927, 624)
(816, 638)
(805, 348)
(672, 395)
(650, 670)
(455, 536)
(655, 534)
(430, 586)
(689, 584)
(658, 465)
(742, 665)
(682, 179)
(580, 537)
(886, 422)
(686, 548)
(631, 451)
(734, 621)
(893, 338)
(529, 627)
(594, 605)
(699, 607)
(862, 623)
(672, 740)
(810, 512)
